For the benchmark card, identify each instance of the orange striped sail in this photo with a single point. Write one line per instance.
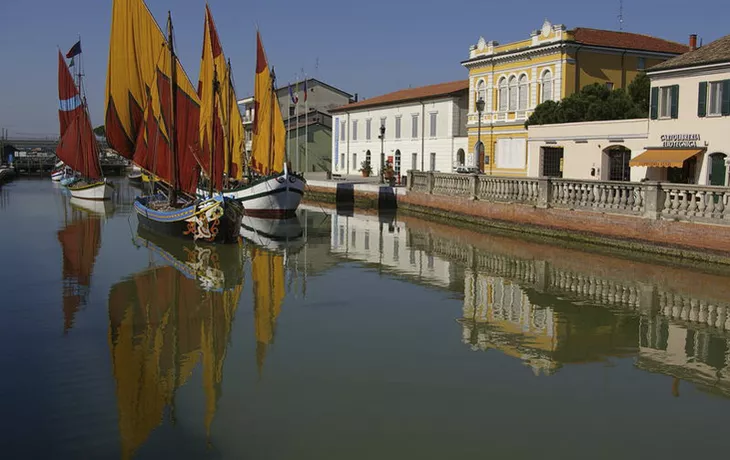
(221, 125)
(269, 134)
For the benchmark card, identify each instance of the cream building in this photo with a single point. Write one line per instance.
(689, 126)
(425, 130)
(553, 63)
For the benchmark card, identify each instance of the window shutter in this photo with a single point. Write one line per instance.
(654, 103)
(702, 100)
(725, 97)
(675, 101)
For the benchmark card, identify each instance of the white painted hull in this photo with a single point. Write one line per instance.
(275, 197)
(100, 191)
(57, 176)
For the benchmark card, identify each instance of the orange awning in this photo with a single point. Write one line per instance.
(664, 158)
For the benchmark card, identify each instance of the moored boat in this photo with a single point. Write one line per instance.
(268, 189)
(77, 147)
(167, 133)
(135, 175)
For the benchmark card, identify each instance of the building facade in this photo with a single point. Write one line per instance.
(424, 129)
(512, 79)
(690, 118)
(308, 122)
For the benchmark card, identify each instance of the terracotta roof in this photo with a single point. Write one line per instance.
(410, 94)
(712, 53)
(626, 40)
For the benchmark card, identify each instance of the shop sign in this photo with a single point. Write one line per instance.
(680, 140)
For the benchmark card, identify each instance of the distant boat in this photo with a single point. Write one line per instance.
(78, 147)
(60, 172)
(135, 175)
(268, 189)
(165, 138)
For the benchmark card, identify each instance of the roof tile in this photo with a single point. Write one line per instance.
(626, 40)
(712, 53)
(410, 94)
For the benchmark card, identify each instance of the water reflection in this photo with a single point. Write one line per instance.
(80, 240)
(163, 321)
(549, 306)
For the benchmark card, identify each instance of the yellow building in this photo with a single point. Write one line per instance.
(512, 79)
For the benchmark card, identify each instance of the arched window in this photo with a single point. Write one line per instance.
(546, 86)
(481, 93)
(512, 93)
(502, 94)
(523, 92)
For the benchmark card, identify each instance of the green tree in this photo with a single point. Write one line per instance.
(100, 131)
(596, 102)
(640, 90)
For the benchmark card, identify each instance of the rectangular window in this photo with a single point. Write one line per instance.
(715, 103)
(382, 122)
(343, 126)
(354, 162)
(552, 161)
(640, 63)
(342, 161)
(609, 85)
(397, 127)
(367, 240)
(367, 129)
(310, 136)
(354, 130)
(414, 162)
(669, 101)
(414, 126)
(433, 124)
(433, 161)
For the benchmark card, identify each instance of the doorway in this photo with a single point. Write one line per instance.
(718, 169)
(552, 162)
(618, 163)
(414, 162)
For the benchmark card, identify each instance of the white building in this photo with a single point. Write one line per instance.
(425, 130)
(689, 127)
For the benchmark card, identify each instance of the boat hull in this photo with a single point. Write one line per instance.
(273, 197)
(56, 176)
(101, 190)
(215, 220)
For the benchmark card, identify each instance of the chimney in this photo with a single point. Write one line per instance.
(693, 42)
(355, 97)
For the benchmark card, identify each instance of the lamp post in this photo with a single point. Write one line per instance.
(382, 153)
(480, 109)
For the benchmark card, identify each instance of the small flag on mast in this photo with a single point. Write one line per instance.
(76, 49)
(292, 94)
(305, 89)
(71, 64)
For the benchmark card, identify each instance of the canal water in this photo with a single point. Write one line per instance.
(351, 335)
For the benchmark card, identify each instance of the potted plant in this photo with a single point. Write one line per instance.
(366, 169)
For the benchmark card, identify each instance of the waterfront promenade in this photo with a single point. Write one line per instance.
(680, 220)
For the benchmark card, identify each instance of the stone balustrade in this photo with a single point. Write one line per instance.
(654, 200)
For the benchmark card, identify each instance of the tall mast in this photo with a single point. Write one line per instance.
(173, 111)
(83, 103)
(271, 119)
(232, 104)
(212, 131)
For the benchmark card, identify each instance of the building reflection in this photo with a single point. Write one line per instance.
(549, 306)
(163, 321)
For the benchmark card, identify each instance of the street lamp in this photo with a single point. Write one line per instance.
(382, 153)
(480, 109)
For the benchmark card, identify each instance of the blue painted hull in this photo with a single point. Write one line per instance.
(216, 220)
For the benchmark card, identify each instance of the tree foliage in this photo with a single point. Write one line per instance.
(100, 131)
(594, 103)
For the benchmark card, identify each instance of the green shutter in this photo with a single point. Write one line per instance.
(702, 100)
(675, 101)
(654, 103)
(725, 107)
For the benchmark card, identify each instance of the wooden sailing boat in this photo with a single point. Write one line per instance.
(152, 117)
(269, 189)
(78, 148)
(163, 321)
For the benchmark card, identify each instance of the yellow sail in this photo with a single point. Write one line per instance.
(226, 115)
(269, 134)
(267, 273)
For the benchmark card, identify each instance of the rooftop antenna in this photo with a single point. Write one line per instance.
(621, 15)
(316, 68)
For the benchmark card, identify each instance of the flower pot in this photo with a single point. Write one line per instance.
(365, 173)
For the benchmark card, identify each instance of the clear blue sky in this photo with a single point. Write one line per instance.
(377, 47)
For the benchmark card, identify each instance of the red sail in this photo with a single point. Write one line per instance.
(78, 148)
(69, 100)
(153, 150)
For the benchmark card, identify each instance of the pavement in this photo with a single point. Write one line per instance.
(347, 178)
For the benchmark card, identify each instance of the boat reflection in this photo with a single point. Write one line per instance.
(101, 208)
(163, 321)
(550, 306)
(273, 234)
(80, 240)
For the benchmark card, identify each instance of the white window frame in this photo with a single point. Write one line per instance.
(434, 124)
(368, 126)
(481, 93)
(512, 90)
(503, 94)
(546, 86)
(397, 126)
(414, 125)
(433, 161)
(354, 130)
(665, 102)
(523, 92)
(343, 127)
(714, 95)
